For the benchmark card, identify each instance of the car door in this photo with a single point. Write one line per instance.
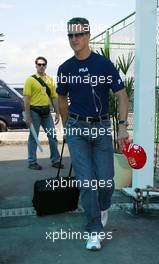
(10, 107)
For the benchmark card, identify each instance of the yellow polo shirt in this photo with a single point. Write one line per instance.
(37, 93)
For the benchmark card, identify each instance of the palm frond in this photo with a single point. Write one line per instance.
(125, 63)
(105, 52)
(1, 36)
(129, 84)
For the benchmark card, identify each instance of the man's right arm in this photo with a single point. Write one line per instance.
(63, 107)
(28, 118)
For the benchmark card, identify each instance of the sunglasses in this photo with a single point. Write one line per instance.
(76, 35)
(41, 64)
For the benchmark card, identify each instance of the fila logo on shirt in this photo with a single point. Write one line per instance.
(83, 69)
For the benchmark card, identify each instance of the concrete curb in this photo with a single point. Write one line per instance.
(21, 138)
(20, 143)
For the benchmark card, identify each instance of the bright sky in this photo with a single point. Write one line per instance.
(34, 27)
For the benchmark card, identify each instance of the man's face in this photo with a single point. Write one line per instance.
(78, 37)
(41, 66)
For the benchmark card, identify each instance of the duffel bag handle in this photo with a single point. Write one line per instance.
(70, 170)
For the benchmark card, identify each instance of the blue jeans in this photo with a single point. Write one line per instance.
(92, 159)
(48, 126)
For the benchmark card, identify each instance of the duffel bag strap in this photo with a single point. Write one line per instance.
(43, 84)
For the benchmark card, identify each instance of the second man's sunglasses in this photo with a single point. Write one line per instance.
(41, 64)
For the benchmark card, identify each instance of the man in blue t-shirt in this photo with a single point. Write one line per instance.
(86, 79)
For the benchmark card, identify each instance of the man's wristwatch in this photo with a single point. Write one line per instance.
(123, 122)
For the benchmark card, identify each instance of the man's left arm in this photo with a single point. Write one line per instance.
(123, 115)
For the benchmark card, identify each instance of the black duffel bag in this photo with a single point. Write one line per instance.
(56, 195)
(42, 111)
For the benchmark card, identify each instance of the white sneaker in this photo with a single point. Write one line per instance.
(104, 217)
(93, 243)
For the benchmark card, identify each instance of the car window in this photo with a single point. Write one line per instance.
(5, 91)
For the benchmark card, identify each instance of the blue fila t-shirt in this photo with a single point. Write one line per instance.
(87, 83)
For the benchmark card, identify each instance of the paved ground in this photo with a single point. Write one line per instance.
(23, 238)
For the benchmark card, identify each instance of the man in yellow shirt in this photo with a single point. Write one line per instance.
(38, 95)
